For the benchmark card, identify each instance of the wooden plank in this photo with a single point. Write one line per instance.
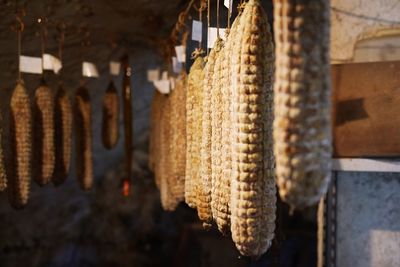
(365, 165)
(366, 109)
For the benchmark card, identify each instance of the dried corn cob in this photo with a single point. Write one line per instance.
(63, 135)
(321, 233)
(222, 186)
(178, 138)
(21, 143)
(3, 174)
(154, 128)
(84, 163)
(302, 127)
(193, 124)
(253, 192)
(43, 135)
(204, 198)
(110, 125)
(167, 180)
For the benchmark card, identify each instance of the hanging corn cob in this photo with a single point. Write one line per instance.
(253, 193)
(204, 197)
(157, 141)
(155, 113)
(221, 195)
(110, 125)
(21, 143)
(302, 127)
(194, 96)
(63, 135)
(3, 174)
(178, 138)
(219, 203)
(83, 126)
(167, 180)
(321, 233)
(43, 135)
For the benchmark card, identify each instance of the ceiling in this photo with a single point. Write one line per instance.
(105, 24)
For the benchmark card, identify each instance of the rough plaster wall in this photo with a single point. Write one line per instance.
(368, 216)
(386, 48)
(356, 20)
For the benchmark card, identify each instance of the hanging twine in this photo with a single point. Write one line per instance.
(43, 36)
(19, 29)
(84, 47)
(208, 22)
(200, 9)
(61, 39)
(217, 19)
(229, 16)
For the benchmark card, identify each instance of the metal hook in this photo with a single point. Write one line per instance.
(21, 26)
(61, 31)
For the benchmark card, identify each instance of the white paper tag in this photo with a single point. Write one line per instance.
(153, 75)
(57, 65)
(212, 36)
(180, 53)
(115, 68)
(228, 3)
(197, 30)
(164, 75)
(89, 70)
(163, 86)
(50, 62)
(30, 64)
(172, 82)
(176, 65)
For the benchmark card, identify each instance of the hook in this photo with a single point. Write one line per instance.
(61, 26)
(21, 25)
(42, 28)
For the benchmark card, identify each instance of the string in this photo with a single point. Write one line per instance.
(19, 13)
(208, 22)
(61, 40)
(42, 39)
(19, 31)
(19, 55)
(85, 42)
(229, 15)
(217, 19)
(200, 17)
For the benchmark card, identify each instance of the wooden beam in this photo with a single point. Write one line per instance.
(366, 109)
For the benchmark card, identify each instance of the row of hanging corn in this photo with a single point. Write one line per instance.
(216, 139)
(41, 138)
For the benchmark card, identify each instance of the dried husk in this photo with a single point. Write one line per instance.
(63, 136)
(155, 113)
(84, 139)
(253, 192)
(204, 198)
(178, 139)
(43, 135)
(110, 123)
(221, 124)
(216, 131)
(194, 100)
(167, 180)
(20, 147)
(302, 127)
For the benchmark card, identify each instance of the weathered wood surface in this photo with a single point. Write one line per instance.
(366, 109)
